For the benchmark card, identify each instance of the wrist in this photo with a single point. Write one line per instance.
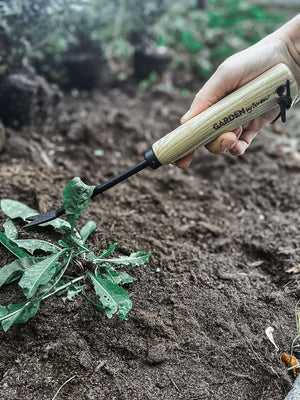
(289, 36)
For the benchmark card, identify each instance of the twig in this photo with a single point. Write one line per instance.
(288, 250)
(172, 380)
(63, 386)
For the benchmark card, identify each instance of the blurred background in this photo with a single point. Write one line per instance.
(85, 44)
(81, 43)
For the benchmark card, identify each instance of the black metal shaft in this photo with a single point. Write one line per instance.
(119, 178)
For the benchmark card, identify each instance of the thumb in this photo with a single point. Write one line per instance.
(222, 82)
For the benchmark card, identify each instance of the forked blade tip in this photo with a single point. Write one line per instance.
(30, 224)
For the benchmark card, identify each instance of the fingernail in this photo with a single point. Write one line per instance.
(240, 150)
(244, 146)
(186, 116)
(226, 144)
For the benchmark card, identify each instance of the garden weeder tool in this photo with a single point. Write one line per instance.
(277, 86)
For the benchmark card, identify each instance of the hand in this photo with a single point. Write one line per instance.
(235, 72)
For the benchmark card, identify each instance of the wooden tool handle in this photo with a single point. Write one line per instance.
(255, 98)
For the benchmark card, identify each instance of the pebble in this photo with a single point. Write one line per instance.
(156, 354)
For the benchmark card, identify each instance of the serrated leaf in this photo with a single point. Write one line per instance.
(71, 292)
(39, 274)
(10, 230)
(35, 244)
(15, 209)
(88, 228)
(12, 247)
(76, 199)
(117, 277)
(21, 313)
(106, 253)
(135, 259)
(11, 271)
(113, 298)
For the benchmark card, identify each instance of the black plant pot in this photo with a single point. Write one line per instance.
(83, 69)
(145, 62)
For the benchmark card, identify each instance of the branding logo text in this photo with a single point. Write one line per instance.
(238, 113)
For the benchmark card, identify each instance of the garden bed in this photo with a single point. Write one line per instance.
(221, 236)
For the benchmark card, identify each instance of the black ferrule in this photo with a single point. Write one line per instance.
(152, 159)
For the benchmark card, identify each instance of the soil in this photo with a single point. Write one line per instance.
(221, 234)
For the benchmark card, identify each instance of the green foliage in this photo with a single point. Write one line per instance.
(14, 209)
(42, 33)
(76, 199)
(152, 79)
(41, 277)
(113, 297)
(201, 39)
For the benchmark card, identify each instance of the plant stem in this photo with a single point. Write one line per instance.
(79, 278)
(15, 312)
(60, 275)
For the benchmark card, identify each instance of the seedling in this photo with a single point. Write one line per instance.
(45, 275)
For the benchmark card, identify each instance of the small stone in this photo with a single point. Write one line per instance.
(156, 354)
(100, 365)
(85, 360)
(98, 152)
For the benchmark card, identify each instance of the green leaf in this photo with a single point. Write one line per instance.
(12, 247)
(113, 298)
(19, 313)
(58, 223)
(34, 244)
(15, 209)
(106, 253)
(11, 271)
(3, 311)
(76, 199)
(51, 286)
(88, 228)
(97, 304)
(71, 292)
(39, 274)
(73, 239)
(135, 259)
(10, 230)
(117, 277)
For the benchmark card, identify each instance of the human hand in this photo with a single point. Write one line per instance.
(281, 46)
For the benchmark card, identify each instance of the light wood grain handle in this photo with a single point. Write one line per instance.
(255, 98)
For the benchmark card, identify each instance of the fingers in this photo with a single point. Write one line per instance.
(226, 141)
(224, 80)
(243, 143)
(185, 162)
(236, 142)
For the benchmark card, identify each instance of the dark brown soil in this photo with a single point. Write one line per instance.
(217, 274)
